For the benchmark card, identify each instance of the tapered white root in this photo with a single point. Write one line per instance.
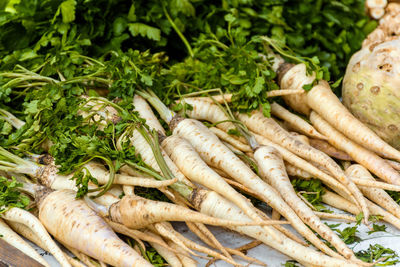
(289, 247)
(295, 121)
(26, 218)
(378, 196)
(8, 235)
(167, 254)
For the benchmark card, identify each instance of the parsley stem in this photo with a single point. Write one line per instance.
(165, 113)
(183, 38)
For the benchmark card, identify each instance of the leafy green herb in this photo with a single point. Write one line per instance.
(82, 178)
(377, 228)
(312, 190)
(291, 263)
(150, 193)
(154, 258)
(395, 195)
(10, 196)
(348, 234)
(377, 252)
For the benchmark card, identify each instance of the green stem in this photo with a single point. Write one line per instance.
(165, 113)
(145, 170)
(11, 162)
(11, 119)
(183, 38)
(201, 92)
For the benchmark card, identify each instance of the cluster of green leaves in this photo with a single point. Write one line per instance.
(312, 190)
(377, 252)
(10, 196)
(155, 258)
(82, 178)
(33, 29)
(291, 263)
(348, 234)
(395, 195)
(150, 193)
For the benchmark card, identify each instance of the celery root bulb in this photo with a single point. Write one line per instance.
(371, 88)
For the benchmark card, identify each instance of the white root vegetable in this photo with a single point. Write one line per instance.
(295, 76)
(29, 220)
(284, 92)
(205, 142)
(98, 171)
(135, 212)
(160, 229)
(89, 262)
(376, 184)
(339, 202)
(321, 99)
(146, 113)
(395, 165)
(376, 12)
(288, 246)
(144, 149)
(363, 156)
(228, 97)
(186, 260)
(8, 235)
(208, 238)
(296, 171)
(26, 232)
(325, 215)
(376, 195)
(72, 222)
(267, 127)
(272, 168)
(304, 165)
(302, 138)
(229, 139)
(295, 121)
(330, 150)
(203, 110)
(167, 254)
(214, 153)
(193, 245)
(337, 115)
(193, 167)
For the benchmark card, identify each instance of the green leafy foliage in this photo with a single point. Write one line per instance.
(82, 178)
(312, 190)
(377, 228)
(377, 252)
(291, 263)
(10, 196)
(395, 195)
(150, 193)
(154, 258)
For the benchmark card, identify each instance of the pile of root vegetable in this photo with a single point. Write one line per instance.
(118, 118)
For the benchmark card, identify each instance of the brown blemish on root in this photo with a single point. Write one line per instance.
(115, 119)
(392, 127)
(360, 86)
(282, 70)
(375, 90)
(114, 212)
(161, 137)
(386, 67)
(41, 193)
(175, 121)
(46, 174)
(356, 67)
(196, 197)
(46, 159)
